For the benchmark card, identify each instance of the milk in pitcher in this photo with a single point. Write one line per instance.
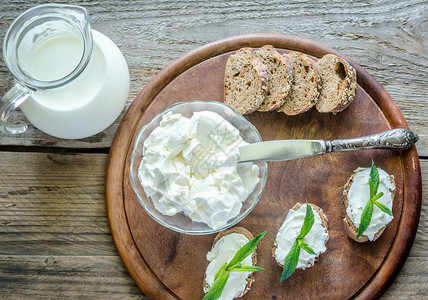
(88, 104)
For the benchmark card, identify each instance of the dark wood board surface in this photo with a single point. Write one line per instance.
(174, 268)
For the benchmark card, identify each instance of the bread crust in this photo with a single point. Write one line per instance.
(312, 99)
(324, 223)
(245, 105)
(249, 236)
(285, 62)
(350, 227)
(347, 93)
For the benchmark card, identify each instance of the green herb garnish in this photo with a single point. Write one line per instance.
(292, 258)
(234, 265)
(366, 216)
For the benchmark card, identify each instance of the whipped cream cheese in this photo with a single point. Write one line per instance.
(191, 166)
(359, 194)
(290, 229)
(222, 252)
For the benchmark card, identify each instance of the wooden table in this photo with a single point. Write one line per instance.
(54, 235)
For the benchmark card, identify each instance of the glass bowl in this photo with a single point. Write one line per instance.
(180, 222)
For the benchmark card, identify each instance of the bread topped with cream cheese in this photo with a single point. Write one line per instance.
(245, 81)
(356, 193)
(290, 229)
(221, 252)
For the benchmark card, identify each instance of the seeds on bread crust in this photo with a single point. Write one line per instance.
(305, 89)
(249, 236)
(245, 81)
(280, 76)
(339, 84)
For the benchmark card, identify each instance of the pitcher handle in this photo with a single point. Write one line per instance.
(10, 101)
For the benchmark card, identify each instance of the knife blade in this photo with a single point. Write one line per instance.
(281, 150)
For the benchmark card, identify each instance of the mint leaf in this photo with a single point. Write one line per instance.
(382, 207)
(246, 250)
(366, 217)
(305, 247)
(374, 198)
(220, 271)
(373, 180)
(217, 288)
(308, 222)
(245, 269)
(290, 262)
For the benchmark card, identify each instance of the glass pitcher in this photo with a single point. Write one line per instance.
(70, 81)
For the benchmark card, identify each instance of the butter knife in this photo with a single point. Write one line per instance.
(280, 150)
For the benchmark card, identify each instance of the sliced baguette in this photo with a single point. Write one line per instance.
(339, 84)
(245, 81)
(249, 236)
(306, 86)
(280, 76)
(350, 227)
(324, 223)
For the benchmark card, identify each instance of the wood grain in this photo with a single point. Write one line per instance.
(53, 203)
(53, 276)
(387, 38)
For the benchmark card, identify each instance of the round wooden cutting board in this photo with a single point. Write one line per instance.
(168, 265)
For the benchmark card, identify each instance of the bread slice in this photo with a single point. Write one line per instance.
(339, 84)
(280, 77)
(249, 236)
(245, 81)
(306, 86)
(350, 227)
(324, 223)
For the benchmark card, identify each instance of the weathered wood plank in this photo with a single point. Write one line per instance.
(420, 246)
(56, 277)
(388, 38)
(53, 203)
(412, 282)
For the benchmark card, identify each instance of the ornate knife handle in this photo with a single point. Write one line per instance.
(394, 139)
